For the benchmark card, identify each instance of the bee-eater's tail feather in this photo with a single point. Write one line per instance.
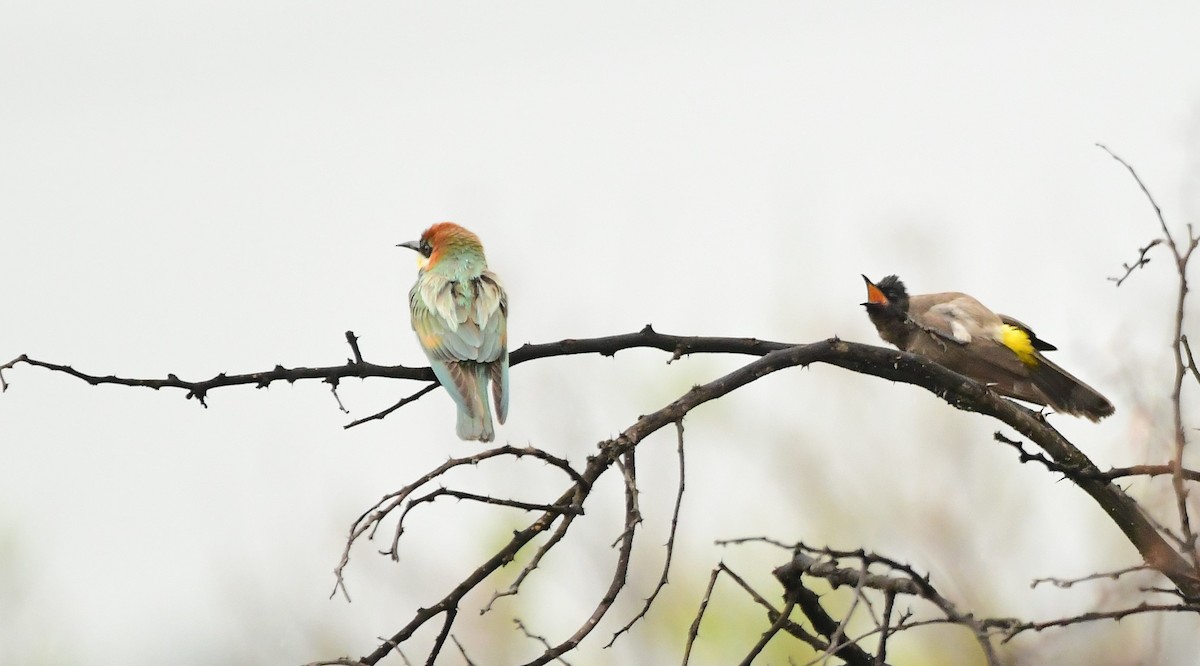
(1067, 394)
(498, 372)
(476, 427)
(474, 414)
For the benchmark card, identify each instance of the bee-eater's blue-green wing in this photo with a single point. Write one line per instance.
(465, 321)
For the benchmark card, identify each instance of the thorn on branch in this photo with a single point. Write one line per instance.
(352, 339)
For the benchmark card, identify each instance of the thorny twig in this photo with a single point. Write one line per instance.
(1182, 253)
(662, 580)
(1065, 583)
(908, 582)
(1008, 629)
(541, 639)
(1142, 260)
(461, 650)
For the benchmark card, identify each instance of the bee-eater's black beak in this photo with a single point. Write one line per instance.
(412, 245)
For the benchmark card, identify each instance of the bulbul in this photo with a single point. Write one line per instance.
(460, 314)
(954, 330)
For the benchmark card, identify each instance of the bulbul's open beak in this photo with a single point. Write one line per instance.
(415, 246)
(874, 296)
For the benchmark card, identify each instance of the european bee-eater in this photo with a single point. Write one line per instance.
(460, 313)
(958, 332)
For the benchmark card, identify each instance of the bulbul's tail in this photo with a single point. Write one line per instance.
(1067, 394)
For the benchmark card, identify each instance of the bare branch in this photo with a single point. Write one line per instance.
(461, 650)
(1027, 456)
(619, 573)
(662, 580)
(810, 604)
(514, 588)
(1178, 342)
(773, 613)
(840, 634)
(778, 624)
(1145, 190)
(1008, 629)
(484, 499)
(694, 630)
(540, 639)
(1142, 260)
(1191, 360)
(757, 539)
(885, 626)
(451, 613)
(606, 346)
(1147, 470)
(369, 521)
(910, 583)
(403, 401)
(1065, 583)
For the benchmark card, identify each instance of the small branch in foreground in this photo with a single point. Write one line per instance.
(515, 586)
(694, 629)
(1066, 583)
(370, 520)
(908, 582)
(1145, 470)
(662, 580)
(1027, 456)
(1149, 197)
(461, 650)
(810, 604)
(1142, 260)
(1182, 256)
(403, 401)
(779, 623)
(1191, 360)
(1009, 629)
(533, 636)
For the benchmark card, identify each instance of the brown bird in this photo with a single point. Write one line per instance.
(958, 332)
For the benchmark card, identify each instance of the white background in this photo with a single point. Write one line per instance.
(217, 187)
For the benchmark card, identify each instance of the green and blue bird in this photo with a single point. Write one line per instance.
(460, 314)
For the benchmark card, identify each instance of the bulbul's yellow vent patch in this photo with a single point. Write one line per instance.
(1018, 341)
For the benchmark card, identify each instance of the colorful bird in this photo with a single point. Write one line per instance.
(956, 331)
(460, 313)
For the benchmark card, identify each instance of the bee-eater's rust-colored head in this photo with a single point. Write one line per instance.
(445, 240)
